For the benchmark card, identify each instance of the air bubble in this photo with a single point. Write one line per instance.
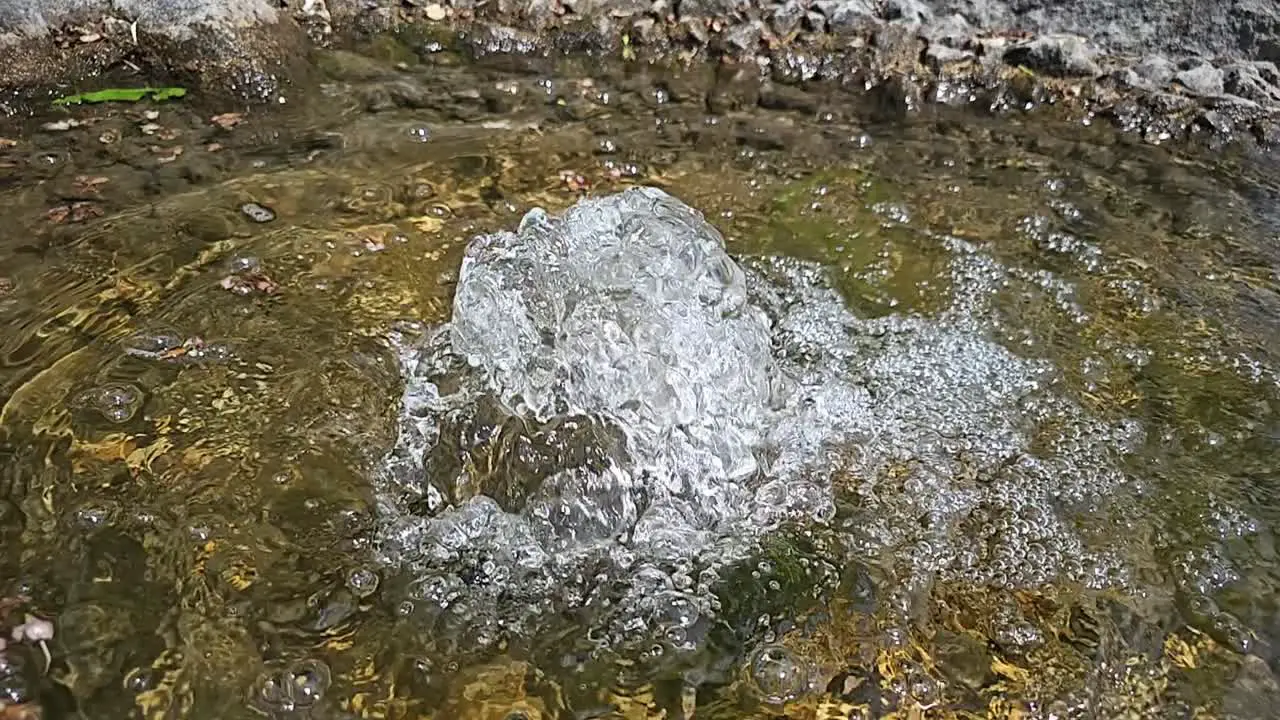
(779, 675)
(616, 403)
(117, 402)
(298, 686)
(362, 582)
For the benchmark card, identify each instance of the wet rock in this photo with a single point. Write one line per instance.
(1257, 81)
(785, 97)
(788, 17)
(346, 65)
(1155, 71)
(1255, 691)
(1201, 79)
(843, 15)
(912, 12)
(940, 56)
(953, 32)
(1061, 55)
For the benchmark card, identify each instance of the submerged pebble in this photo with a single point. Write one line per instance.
(258, 213)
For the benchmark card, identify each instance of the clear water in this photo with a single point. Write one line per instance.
(944, 415)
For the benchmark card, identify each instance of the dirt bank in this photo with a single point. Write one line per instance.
(1211, 65)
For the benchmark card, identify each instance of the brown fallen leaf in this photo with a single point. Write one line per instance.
(213, 147)
(167, 155)
(249, 282)
(75, 212)
(226, 121)
(7, 143)
(85, 185)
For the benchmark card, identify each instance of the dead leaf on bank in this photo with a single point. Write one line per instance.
(7, 143)
(213, 147)
(226, 121)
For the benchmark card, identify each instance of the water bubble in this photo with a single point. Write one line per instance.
(117, 402)
(273, 690)
(299, 685)
(362, 581)
(153, 344)
(310, 680)
(245, 264)
(778, 674)
(616, 403)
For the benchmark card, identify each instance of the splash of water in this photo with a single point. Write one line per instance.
(618, 410)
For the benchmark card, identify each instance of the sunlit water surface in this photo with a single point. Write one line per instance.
(968, 416)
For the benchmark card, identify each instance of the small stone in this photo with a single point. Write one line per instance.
(435, 12)
(226, 121)
(90, 37)
(151, 114)
(258, 213)
(60, 125)
(149, 128)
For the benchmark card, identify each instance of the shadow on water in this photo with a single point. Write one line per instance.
(198, 394)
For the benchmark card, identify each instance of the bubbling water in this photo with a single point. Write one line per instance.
(617, 411)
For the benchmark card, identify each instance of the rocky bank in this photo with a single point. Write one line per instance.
(1216, 60)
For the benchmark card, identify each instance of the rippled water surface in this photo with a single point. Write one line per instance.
(975, 417)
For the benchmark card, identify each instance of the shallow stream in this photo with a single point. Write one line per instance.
(1013, 453)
